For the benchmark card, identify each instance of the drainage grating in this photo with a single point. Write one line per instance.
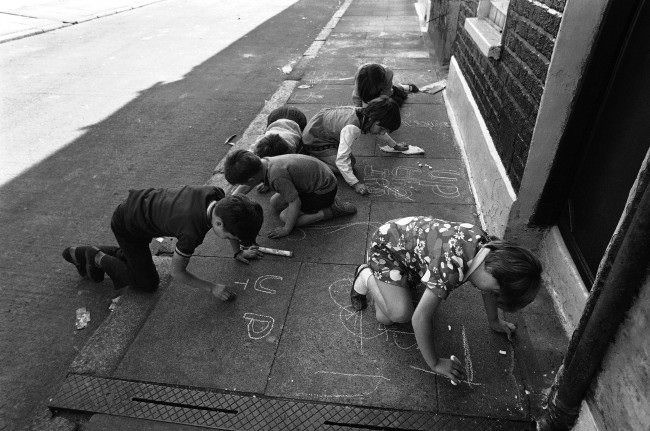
(231, 411)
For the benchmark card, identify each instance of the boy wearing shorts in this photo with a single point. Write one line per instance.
(305, 188)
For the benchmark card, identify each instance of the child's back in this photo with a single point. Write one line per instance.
(305, 173)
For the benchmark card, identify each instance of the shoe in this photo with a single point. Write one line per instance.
(413, 88)
(339, 209)
(67, 255)
(357, 300)
(94, 272)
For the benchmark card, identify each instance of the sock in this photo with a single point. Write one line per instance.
(361, 286)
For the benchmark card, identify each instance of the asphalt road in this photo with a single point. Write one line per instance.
(137, 99)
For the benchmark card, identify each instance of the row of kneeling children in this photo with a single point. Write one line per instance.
(412, 257)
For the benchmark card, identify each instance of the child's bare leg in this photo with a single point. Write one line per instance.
(278, 204)
(392, 302)
(304, 218)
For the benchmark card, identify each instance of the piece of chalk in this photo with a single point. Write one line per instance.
(276, 251)
(453, 383)
(449, 327)
(503, 352)
(230, 140)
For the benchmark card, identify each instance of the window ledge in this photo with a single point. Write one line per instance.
(485, 36)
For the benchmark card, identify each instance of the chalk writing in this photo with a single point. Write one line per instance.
(402, 181)
(263, 289)
(258, 283)
(259, 326)
(469, 367)
(431, 372)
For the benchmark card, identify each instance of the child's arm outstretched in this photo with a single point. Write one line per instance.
(495, 322)
(349, 134)
(180, 273)
(422, 322)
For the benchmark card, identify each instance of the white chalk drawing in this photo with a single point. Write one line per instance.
(259, 326)
(353, 322)
(469, 367)
(403, 181)
(362, 384)
(258, 283)
(328, 229)
(418, 123)
(263, 289)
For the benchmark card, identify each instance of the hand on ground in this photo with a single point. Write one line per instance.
(220, 292)
(248, 254)
(505, 327)
(279, 232)
(361, 188)
(401, 146)
(451, 368)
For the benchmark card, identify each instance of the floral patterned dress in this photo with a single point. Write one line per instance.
(424, 250)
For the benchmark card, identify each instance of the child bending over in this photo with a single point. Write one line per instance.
(187, 213)
(283, 134)
(374, 80)
(441, 255)
(305, 188)
(331, 133)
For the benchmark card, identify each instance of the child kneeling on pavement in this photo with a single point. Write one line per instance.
(187, 213)
(415, 252)
(283, 134)
(305, 188)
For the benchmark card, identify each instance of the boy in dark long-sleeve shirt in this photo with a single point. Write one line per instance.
(187, 213)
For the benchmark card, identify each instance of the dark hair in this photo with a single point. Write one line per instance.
(290, 113)
(518, 272)
(272, 145)
(383, 110)
(370, 78)
(240, 166)
(399, 95)
(241, 217)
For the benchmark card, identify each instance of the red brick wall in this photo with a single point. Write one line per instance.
(508, 90)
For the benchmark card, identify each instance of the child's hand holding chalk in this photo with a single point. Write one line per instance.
(451, 368)
(252, 252)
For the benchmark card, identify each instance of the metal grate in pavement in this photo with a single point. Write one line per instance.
(231, 411)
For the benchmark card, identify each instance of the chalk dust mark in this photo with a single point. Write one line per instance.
(342, 385)
(469, 367)
(353, 322)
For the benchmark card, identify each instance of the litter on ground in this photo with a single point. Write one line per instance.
(83, 317)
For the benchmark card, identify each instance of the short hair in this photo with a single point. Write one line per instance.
(272, 145)
(241, 217)
(370, 80)
(518, 272)
(240, 166)
(385, 111)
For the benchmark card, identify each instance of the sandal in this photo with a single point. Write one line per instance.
(357, 300)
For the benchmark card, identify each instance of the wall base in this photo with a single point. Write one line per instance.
(490, 184)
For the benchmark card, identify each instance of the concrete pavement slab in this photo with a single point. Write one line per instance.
(495, 383)
(330, 353)
(191, 338)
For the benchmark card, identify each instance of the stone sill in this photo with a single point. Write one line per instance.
(485, 36)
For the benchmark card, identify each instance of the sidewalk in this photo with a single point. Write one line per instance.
(23, 18)
(289, 353)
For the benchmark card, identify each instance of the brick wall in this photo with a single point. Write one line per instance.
(508, 90)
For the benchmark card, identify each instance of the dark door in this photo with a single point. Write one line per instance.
(614, 149)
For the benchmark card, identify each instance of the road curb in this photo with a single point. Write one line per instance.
(64, 24)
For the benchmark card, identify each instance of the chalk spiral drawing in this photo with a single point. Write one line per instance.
(333, 381)
(259, 326)
(258, 283)
(353, 322)
(402, 181)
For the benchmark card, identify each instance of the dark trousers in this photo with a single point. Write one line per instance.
(130, 264)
